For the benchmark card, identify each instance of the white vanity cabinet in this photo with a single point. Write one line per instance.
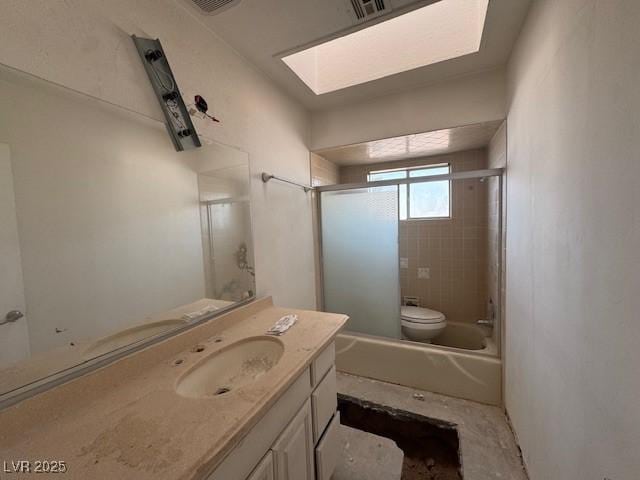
(264, 470)
(298, 438)
(293, 451)
(328, 450)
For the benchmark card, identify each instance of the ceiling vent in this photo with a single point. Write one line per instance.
(365, 9)
(213, 7)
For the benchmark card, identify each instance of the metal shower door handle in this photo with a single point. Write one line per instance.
(12, 316)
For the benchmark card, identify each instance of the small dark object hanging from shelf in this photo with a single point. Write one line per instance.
(203, 107)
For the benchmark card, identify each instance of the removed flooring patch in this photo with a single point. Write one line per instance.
(430, 447)
(367, 457)
(487, 448)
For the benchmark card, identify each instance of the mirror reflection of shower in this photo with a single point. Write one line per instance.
(242, 261)
(226, 224)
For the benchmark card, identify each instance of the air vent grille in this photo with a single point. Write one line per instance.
(214, 6)
(368, 8)
(357, 8)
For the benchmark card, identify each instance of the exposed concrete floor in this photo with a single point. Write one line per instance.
(367, 457)
(488, 448)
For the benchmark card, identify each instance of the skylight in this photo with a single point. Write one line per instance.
(441, 31)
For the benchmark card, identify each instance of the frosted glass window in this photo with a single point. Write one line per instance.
(394, 175)
(420, 200)
(360, 258)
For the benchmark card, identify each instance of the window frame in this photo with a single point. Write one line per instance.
(406, 171)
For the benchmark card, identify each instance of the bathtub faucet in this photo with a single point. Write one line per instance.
(487, 322)
(491, 316)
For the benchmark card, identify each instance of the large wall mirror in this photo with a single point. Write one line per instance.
(110, 238)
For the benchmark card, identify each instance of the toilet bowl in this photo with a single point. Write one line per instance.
(421, 324)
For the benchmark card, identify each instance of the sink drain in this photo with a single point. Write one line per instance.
(222, 390)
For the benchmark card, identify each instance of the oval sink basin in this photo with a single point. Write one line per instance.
(130, 335)
(231, 367)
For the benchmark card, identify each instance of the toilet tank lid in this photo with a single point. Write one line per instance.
(421, 313)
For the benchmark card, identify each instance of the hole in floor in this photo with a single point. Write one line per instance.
(430, 446)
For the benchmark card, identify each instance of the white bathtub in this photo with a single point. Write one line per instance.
(473, 374)
(466, 337)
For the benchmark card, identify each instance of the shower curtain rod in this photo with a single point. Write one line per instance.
(224, 201)
(267, 176)
(486, 173)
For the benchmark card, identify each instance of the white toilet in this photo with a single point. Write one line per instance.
(421, 324)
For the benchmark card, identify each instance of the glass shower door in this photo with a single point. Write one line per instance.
(360, 258)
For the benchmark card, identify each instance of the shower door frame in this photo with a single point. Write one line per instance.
(467, 175)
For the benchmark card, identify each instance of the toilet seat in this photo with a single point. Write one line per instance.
(421, 315)
(421, 324)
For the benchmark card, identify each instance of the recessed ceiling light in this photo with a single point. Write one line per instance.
(440, 31)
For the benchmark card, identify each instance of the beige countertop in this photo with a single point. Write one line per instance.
(126, 420)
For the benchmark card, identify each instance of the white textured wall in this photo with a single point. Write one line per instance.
(460, 101)
(573, 247)
(85, 45)
(497, 148)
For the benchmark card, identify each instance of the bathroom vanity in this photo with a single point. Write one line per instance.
(309, 438)
(220, 401)
(116, 368)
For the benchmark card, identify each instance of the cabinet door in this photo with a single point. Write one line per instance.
(324, 402)
(293, 451)
(264, 470)
(329, 450)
